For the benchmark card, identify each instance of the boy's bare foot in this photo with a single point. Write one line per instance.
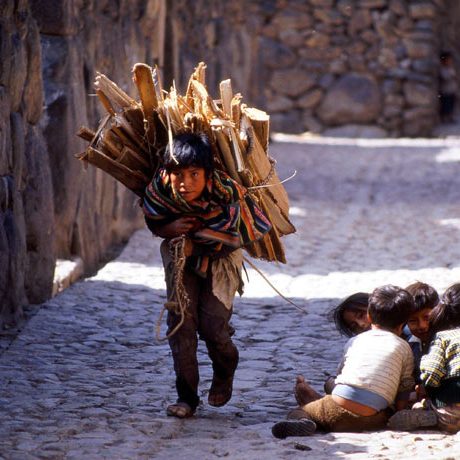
(220, 391)
(303, 392)
(179, 410)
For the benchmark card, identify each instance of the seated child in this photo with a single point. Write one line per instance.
(440, 371)
(350, 318)
(417, 331)
(376, 372)
(204, 217)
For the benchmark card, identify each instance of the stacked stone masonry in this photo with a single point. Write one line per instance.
(316, 65)
(50, 206)
(345, 62)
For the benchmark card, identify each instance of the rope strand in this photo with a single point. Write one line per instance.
(178, 300)
(273, 287)
(274, 185)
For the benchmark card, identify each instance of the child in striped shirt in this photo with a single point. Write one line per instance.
(376, 372)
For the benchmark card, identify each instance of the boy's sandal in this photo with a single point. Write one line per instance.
(179, 410)
(220, 392)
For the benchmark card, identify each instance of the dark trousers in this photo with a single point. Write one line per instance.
(207, 317)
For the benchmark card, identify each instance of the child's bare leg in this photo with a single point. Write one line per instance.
(303, 392)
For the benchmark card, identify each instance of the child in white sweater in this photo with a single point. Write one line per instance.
(376, 373)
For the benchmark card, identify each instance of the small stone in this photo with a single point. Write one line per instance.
(279, 104)
(291, 82)
(310, 99)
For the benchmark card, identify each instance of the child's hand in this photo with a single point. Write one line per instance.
(178, 227)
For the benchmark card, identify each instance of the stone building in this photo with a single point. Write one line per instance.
(314, 65)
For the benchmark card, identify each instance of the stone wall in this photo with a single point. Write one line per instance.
(223, 34)
(368, 62)
(330, 66)
(50, 207)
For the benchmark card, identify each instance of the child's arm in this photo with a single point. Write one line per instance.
(178, 227)
(433, 365)
(406, 382)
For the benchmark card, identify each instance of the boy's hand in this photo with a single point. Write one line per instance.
(178, 227)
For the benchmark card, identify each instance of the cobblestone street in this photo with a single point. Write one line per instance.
(86, 378)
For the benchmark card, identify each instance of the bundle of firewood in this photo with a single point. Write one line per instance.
(131, 139)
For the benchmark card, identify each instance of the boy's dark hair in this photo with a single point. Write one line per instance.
(355, 302)
(390, 306)
(425, 296)
(446, 315)
(189, 149)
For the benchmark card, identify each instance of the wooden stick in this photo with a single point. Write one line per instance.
(210, 108)
(113, 92)
(236, 108)
(126, 140)
(133, 180)
(146, 88)
(226, 154)
(134, 161)
(105, 102)
(226, 95)
(144, 81)
(136, 140)
(135, 117)
(86, 133)
(260, 122)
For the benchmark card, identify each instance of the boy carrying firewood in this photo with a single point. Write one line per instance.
(205, 218)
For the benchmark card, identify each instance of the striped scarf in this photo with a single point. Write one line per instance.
(227, 213)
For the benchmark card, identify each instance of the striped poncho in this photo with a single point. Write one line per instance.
(227, 213)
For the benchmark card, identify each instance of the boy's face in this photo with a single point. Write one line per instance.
(189, 182)
(419, 324)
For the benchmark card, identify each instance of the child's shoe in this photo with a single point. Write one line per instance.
(303, 427)
(411, 419)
